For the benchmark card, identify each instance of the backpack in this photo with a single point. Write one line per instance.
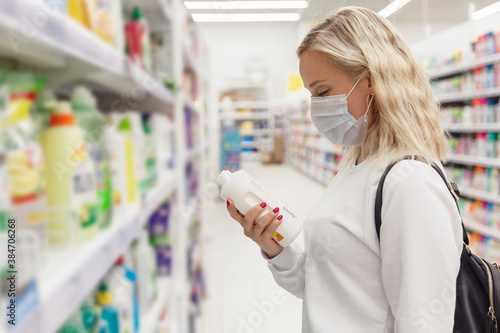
(478, 281)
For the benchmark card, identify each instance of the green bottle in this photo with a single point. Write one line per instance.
(91, 121)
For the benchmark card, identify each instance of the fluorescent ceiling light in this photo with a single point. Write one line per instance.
(393, 7)
(486, 11)
(246, 4)
(246, 17)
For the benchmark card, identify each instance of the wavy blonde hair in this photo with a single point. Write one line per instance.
(406, 113)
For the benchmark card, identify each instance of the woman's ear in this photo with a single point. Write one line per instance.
(370, 83)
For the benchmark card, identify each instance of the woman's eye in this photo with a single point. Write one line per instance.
(322, 94)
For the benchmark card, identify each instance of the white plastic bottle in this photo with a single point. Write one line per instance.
(246, 192)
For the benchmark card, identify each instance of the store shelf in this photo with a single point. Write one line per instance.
(255, 132)
(71, 273)
(472, 128)
(473, 160)
(149, 322)
(245, 105)
(190, 63)
(467, 96)
(479, 195)
(244, 116)
(52, 44)
(331, 150)
(464, 67)
(192, 154)
(482, 229)
(249, 144)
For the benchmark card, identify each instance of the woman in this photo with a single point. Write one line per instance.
(369, 93)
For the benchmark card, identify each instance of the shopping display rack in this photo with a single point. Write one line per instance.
(40, 40)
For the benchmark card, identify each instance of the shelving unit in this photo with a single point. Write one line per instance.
(248, 101)
(479, 195)
(465, 96)
(468, 77)
(474, 160)
(472, 128)
(482, 229)
(66, 53)
(71, 273)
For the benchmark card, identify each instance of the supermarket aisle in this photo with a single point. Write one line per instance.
(242, 294)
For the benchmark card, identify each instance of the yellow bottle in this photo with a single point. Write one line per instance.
(80, 11)
(125, 128)
(71, 185)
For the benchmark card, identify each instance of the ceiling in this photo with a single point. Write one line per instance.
(409, 20)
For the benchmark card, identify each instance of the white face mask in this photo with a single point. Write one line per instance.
(331, 117)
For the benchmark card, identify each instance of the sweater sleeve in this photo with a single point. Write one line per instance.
(420, 243)
(288, 269)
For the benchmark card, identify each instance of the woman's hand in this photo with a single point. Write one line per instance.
(260, 232)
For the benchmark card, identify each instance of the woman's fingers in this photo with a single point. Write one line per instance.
(265, 221)
(271, 228)
(235, 214)
(250, 217)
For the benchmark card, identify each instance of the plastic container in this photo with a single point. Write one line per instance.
(137, 36)
(114, 143)
(245, 192)
(133, 175)
(71, 185)
(122, 290)
(90, 120)
(109, 312)
(144, 258)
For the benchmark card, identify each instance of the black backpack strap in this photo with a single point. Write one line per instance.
(452, 187)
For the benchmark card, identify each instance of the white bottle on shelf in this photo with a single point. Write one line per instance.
(144, 261)
(246, 192)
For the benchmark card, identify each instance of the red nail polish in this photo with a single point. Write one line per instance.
(280, 217)
(227, 202)
(263, 204)
(275, 210)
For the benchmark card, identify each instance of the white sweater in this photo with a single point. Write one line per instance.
(352, 283)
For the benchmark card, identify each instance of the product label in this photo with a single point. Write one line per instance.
(84, 192)
(276, 235)
(25, 169)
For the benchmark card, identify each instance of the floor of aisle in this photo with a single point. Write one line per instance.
(242, 296)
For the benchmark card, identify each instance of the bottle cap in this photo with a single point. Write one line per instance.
(120, 260)
(61, 114)
(136, 13)
(223, 177)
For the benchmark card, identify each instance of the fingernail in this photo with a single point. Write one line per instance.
(280, 217)
(263, 204)
(227, 202)
(275, 210)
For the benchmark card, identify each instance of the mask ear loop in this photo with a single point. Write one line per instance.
(356, 84)
(368, 108)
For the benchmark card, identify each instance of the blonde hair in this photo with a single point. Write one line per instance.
(406, 114)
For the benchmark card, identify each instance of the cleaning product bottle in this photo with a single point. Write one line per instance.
(109, 312)
(90, 120)
(71, 187)
(23, 160)
(135, 128)
(149, 153)
(125, 129)
(246, 192)
(114, 144)
(131, 276)
(145, 262)
(137, 36)
(123, 291)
